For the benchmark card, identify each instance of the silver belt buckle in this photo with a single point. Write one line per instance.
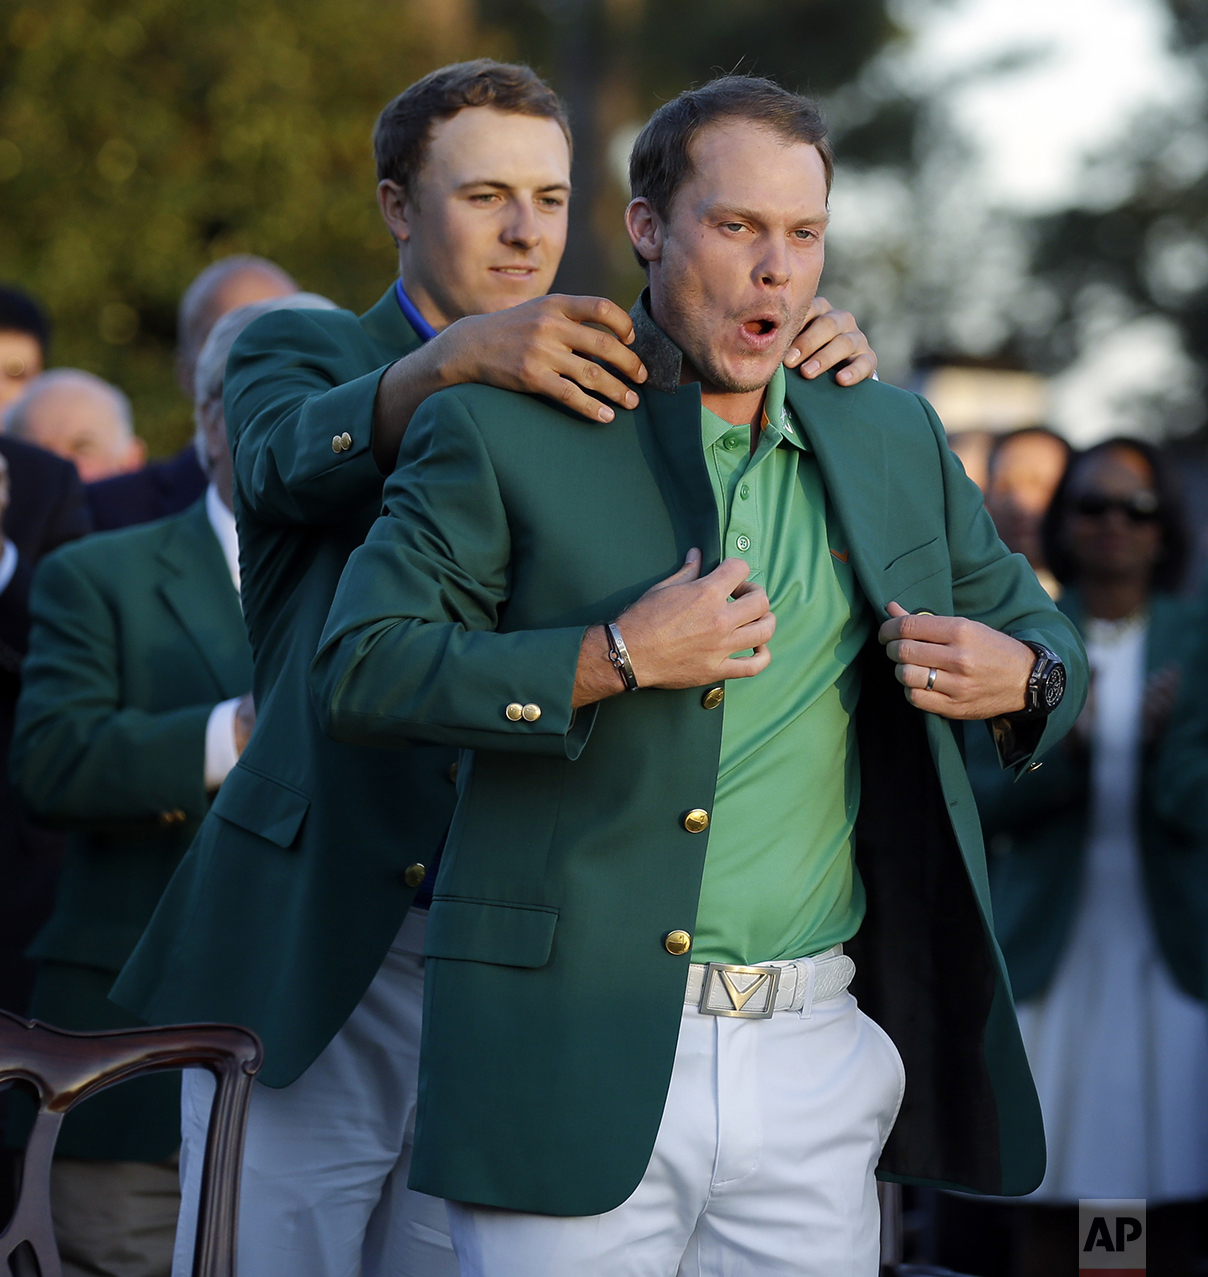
(748, 993)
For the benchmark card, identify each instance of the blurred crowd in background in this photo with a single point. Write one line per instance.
(1063, 342)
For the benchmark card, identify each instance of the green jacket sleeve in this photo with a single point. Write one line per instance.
(291, 387)
(1001, 591)
(1062, 783)
(411, 652)
(78, 757)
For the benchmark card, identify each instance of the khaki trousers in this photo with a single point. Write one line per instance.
(114, 1219)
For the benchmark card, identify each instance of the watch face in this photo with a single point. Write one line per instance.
(1054, 687)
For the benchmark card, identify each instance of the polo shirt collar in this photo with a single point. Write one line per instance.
(423, 330)
(778, 416)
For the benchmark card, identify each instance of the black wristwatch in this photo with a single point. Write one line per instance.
(1046, 683)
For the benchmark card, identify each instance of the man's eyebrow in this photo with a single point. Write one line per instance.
(747, 214)
(507, 186)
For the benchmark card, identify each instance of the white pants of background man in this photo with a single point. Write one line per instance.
(324, 1190)
(763, 1164)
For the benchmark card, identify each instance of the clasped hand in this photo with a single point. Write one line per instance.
(979, 672)
(684, 632)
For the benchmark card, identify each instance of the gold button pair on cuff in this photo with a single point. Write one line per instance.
(341, 443)
(530, 712)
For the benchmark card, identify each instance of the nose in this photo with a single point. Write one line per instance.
(775, 269)
(521, 230)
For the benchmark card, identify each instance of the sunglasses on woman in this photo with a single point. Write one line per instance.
(1141, 507)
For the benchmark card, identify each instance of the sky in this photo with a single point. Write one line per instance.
(1083, 70)
(1036, 90)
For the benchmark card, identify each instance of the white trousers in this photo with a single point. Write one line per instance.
(763, 1164)
(324, 1190)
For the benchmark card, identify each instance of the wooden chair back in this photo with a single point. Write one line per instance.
(66, 1068)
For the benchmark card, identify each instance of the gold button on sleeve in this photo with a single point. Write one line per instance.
(337, 444)
(697, 820)
(677, 942)
(414, 875)
(346, 440)
(531, 713)
(515, 711)
(713, 697)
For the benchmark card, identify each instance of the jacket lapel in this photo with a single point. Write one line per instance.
(672, 444)
(851, 455)
(196, 585)
(669, 425)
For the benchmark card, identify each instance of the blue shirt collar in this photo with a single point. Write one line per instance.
(423, 329)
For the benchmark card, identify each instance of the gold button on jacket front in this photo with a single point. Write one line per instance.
(713, 697)
(696, 821)
(677, 943)
(414, 875)
(515, 711)
(346, 440)
(337, 444)
(531, 713)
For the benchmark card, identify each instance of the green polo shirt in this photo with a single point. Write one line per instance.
(779, 878)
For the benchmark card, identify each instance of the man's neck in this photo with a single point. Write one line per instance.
(1113, 598)
(422, 300)
(744, 408)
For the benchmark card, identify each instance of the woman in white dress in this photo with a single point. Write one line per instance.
(1097, 896)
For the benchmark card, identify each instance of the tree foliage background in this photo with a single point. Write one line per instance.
(142, 139)
(1140, 253)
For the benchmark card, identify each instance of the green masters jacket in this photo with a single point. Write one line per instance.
(136, 636)
(553, 1006)
(283, 909)
(1036, 831)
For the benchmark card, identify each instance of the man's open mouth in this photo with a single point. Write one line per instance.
(760, 327)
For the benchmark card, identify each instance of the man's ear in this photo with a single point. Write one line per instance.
(645, 229)
(395, 204)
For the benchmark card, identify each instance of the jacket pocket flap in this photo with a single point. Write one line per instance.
(261, 805)
(915, 566)
(486, 931)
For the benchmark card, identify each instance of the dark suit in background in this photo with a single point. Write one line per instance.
(46, 508)
(137, 636)
(156, 491)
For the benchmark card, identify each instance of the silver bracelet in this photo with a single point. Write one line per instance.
(618, 654)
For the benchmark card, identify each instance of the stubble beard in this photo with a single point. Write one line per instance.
(679, 317)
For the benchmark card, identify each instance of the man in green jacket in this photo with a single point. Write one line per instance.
(640, 1054)
(291, 911)
(133, 710)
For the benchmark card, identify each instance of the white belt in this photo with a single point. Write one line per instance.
(753, 993)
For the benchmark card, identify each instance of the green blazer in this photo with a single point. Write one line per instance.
(1036, 832)
(553, 1007)
(136, 636)
(285, 905)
